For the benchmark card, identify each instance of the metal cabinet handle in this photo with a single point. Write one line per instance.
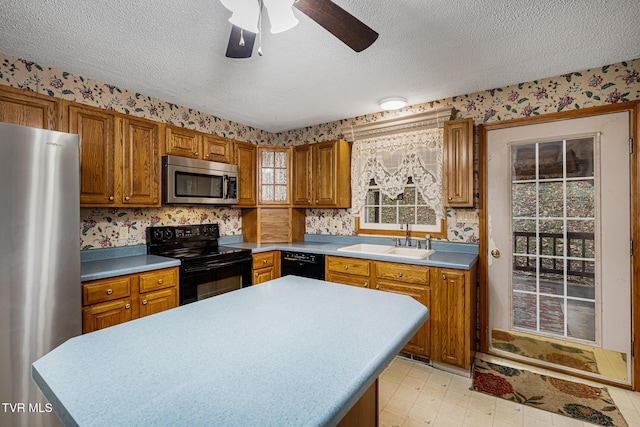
(196, 153)
(377, 286)
(346, 267)
(450, 198)
(160, 282)
(400, 274)
(444, 277)
(366, 284)
(127, 306)
(127, 198)
(109, 291)
(264, 261)
(256, 274)
(144, 302)
(111, 198)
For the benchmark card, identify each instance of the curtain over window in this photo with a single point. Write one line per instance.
(392, 159)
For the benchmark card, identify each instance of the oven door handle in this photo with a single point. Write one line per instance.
(213, 266)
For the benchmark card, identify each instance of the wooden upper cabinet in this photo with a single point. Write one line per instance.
(119, 157)
(458, 163)
(183, 142)
(302, 175)
(216, 149)
(327, 183)
(197, 145)
(97, 130)
(25, 108)
(245, 157)
(141, 162)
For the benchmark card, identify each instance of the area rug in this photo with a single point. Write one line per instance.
(575, 400)
(548, 351)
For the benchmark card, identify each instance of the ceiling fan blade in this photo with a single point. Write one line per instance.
(349, 29)
(234, 50)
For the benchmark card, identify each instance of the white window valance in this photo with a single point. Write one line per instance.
(391, 159)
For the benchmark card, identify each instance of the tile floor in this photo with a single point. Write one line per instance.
(414, 394)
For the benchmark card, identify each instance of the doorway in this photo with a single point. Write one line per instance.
(558, 262)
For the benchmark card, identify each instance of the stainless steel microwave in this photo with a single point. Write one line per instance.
(198, 182)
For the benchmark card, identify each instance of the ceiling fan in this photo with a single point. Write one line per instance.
(247, 22)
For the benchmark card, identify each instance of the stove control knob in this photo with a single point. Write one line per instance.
(168, 234)
(205, 229)
(157, 234)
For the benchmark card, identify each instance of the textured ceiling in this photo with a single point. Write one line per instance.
(427, 50)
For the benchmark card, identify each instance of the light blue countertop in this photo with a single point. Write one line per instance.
(440, 258)
(110, 267)
(292, 351)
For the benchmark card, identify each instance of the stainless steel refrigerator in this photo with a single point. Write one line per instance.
(40, 304)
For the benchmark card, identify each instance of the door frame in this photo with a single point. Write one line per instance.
(633, 108)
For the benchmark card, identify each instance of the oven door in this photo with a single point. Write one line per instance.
(198, 282)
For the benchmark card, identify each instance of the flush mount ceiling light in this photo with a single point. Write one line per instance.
(246, 18)
(392, 103)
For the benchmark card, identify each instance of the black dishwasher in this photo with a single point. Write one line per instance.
(302, 264)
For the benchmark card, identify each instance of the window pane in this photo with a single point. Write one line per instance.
(524, 236)
(267, 159)
(267, 192)
(580, 199)
(581, 239)
(581, 279)
(409, 197)
(281, 159)
(525, 310)
(579, 157)
(407, 214)
(373, 197)
(523, 162)
(387, 201)
(281, 193)
(552, 314)
(372, 215)
(581, 319)
(267, 176)
(550, 160)
(551, 237)
(281, 176)
(426, 215)
(524, 277)
(389, 215)
(551, 201)
(524, 199)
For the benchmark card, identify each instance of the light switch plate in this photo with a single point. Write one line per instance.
(466, 216)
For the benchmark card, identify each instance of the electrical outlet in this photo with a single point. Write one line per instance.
(123, 235)
(466, 216)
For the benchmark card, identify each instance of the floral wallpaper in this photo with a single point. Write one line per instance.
(103, 227)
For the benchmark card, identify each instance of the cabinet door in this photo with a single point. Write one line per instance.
(157, 301)
(262, 275)
(141, 162)
(216, 149)
(325, 174)
(451, 339)
(103, 315)
(458, 163)
(420, 343)
(302, 175)
(183, 142)
(273, 175)
(97, 132)
(245, 159)
(27, 109)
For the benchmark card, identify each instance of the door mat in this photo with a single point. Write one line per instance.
(575, 400)
(548, 351)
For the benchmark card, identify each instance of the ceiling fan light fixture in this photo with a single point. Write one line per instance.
(281, 15)
(244, 13)
(392, 103)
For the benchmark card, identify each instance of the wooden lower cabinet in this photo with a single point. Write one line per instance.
(450, 295)
(109, 302)
(454, 328)
(266, 266)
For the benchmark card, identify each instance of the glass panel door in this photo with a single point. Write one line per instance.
(553, 223)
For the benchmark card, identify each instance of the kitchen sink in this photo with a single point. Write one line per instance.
(392, 251)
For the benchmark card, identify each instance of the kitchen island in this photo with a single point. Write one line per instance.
(292, 351)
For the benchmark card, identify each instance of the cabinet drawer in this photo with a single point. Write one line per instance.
(158, 279)
(106, 290)
(355, 266)
(348, 279)
(418, 274)
(264, 259)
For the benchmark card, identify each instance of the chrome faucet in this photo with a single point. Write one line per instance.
(427, 241)
(407, 240)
